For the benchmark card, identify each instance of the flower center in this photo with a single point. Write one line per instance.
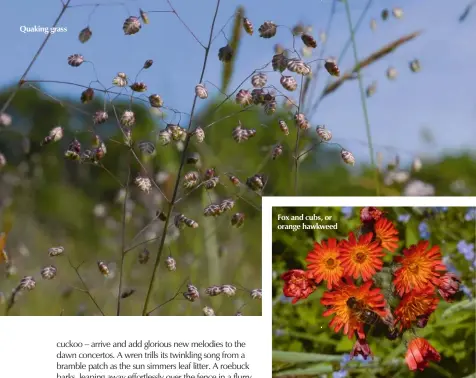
(330, 263)
(413, 267)
(360, 257)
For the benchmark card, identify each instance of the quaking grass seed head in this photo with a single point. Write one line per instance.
(248, 26)
(331, 66)
(244, 97)
(75, 60)
(323, 133)
(131, 25)
(191, 179)
(85, 35)
(103, 268)
(165, 137)
(144, 16)
(279, 62)
(100, 117)
(211, 183)
(201, 92)
(148, 63)
(209, 173)
(289, 83)
(347, 157)
(128, 118)
(277, 151)
(309, 40)
(171, 264)
(27, 283)
(270, 107)
(227, 204)
(139, 87)
(156, 101)
(48, 272)
(283, 127)
(120, 80)
(179, 221)
(255, 183)
(237, 220)
(208, 311)
(199, 134)
(126, 293)
(228, 290)
(213, 291)
(225, 53)
(87, 95)
(55, 251)
(259, 80)
(256, 294)
(212, 210)
(268, 29)
(55, 135)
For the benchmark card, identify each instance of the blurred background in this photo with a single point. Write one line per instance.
(418, 125)
(303, 343)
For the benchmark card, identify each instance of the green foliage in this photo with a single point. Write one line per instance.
(301, 330)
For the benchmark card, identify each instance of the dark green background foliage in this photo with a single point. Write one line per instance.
(303, 343)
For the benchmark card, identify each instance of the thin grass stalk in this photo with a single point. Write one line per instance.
(362, 97)
(123, 236)
(179, 173)
(296, 146)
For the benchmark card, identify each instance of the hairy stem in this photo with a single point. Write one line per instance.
(179, 173)
(362, 97)
(35, 57)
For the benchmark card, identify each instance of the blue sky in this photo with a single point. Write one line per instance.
(439, 98)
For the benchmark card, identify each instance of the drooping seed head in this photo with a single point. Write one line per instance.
(279, 62)
(239, 134)
(165, 137)
(299, 67)
(5, 120)
(392, 73)
(201, 91)
(225, 53)
(270, 107)
(55, 134)
(87, 95)
(75, 60)
(301, 121)
(192, 158)
(371, 89)
(228, 290)
(85, 35)
(103, 268)
(128, 118)
(208, 311)
(283, 127)
(199, 134)
(397, 12)
(268, 29)
(237, 220)
(256, 294)
(347, 157)
(277, 151)
(27, 283)
(139, 87)
(256, 182)
(120, 80)
(170, 264)
(415, 65)
(259, 80)
(144, 16)
(289, 83)
(257, 95)
(323, 133)
(234, 180)
(192, 292)
(209, 173)
(48, 272)
(248, 26)
(156, 101)
(179, 221)
(146, 147)
(100, 117)
(331, 66)
(148, 63)
(143, 183)
(213, 291)
(191, 179)
(385, 13)
(211, 183)
(227, 204)
(55, 251)
(212, 210)
(131, 25)
(309, 40)
(244, 97)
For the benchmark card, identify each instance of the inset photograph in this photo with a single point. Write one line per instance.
(373, 291)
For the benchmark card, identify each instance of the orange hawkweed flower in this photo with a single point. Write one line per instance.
(415, 305)
(420, 353)
(420, 268)
(324, 263)
(298, 284)
(345, 317)
(387, 234)
(362, 257)
(449, 286)
(370, 214)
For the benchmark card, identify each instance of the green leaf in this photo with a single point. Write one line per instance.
(460, 306)
(411, 232)
(310, 370)
(297, 357)
(234, 43)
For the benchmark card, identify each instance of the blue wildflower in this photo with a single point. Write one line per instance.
(466, 290)
(470, 214)
(284, 299)
(466, 249)
(339, 374)
(440, 209)
(424, 230)
(346, 211)
(404, 218)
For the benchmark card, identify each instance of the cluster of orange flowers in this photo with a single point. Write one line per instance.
(348, 268)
